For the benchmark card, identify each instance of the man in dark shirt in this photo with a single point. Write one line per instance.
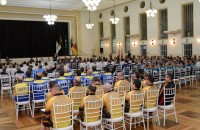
(19, 70)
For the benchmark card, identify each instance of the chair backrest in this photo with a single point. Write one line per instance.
(88, 81)
(51, 75)
(63, 114)
(39, 91)
(169, 95)
(65, 85)
(108, 79)
(182, 72)
(194, 69)
(152, 98)
(187, 71)
(169, 70)
(22, 94)
(127, 70)
(176, 72)
(118, 69)
(155, 74)
(12, 71)
(136, 102)
(123, 89)
(93, 110)
(77, 98)
(162, 74)
(99, 92)
(117, 109)
(5, 79)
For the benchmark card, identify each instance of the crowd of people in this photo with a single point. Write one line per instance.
(36, 72)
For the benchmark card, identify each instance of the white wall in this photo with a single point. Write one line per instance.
(90, 38)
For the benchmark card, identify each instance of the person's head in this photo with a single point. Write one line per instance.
(60, 73)
(136, 84)
(46, 64)
(51, 84)
(40, 66)
(56, 89)
(82, 69)
(66, 69)
(150, 79)
(18, 68)
(94, 68)
(4, 69)
(107, 70)
(19, 79)
(135, 76)
(89, 72)
(38, 76)
(77, 73)
(120, 76)
(96, 81)
(44, 74)
(77, 81)
(91, 89)
(169, 77)
(28, 74)
(107, 87)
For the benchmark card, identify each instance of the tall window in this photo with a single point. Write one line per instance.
(127, 33)
(188, 20)
(113, 38)
(143, 26)
(163, 23)
(187, 49)
(163, 50)
(101, 35)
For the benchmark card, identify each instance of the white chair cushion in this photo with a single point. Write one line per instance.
(150, 109)
(66, 128)
(22, 103)
(38, 101)
(168, 107)
(136, 114)
(92, 123)
(114, 119)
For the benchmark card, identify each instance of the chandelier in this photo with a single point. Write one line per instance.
(3, 2)
(151, 12)
(50, 18)
(91, 4)
(115, 19)
(89, 25)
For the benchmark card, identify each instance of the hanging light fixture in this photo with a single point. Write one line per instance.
(50, 18)
(114, 20)
(3, 2)
(89, 25)
(151, 12)
(91, 4)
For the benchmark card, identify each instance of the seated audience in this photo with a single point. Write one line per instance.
(144, 80)
(121, 81)
(4, 71)
(19, 70)
(28, 77)
(40, 69)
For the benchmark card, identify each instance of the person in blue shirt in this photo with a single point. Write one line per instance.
(40, 69)
(60, 76)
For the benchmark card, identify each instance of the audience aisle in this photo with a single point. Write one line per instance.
(187, 107)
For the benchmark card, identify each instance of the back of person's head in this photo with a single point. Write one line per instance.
(21, 65)
(20, 79)
(51, 84)
(44, 73)
(89, 72)
(137, 74)
(150, 78)
(4, 69)
(38, 76)
(82, 69)
(78, 72)
(57, 88)
(94, 68)
(45, 63)
(137, 83)
(120, 75)
(40, 66)
(18, 68)
(107, 70)
(28, 74)
(61, 72)
(92, 88)
(77, 81)
(96, 79)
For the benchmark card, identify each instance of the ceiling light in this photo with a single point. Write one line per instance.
(89, 25)
(91, 4)
(50, 18)
(151, 12)
(114, 20)
(3, 2)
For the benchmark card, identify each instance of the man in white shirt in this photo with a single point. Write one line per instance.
(99, 65)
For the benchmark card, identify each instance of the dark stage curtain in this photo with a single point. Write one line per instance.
(19, 39)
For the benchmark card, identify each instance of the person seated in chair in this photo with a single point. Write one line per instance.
(28, 77)
(19, 70)
(168, 84)
(121, 81)
(20, 84)
(58, 99)
(109, 92)
(40, 69)
(150, 86)
(38, 79)
(4, 71)
(144, 84)
(135, 90)
(91, 97)
(60, 76)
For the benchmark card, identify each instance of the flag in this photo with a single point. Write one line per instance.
(58, 45)
(66, 44)
(74, 48)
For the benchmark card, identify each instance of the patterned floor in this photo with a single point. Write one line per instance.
(187, 107)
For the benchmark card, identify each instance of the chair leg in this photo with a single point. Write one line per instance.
(158, 118)
(130, 122)
(143, 122)
(33, 109)
(175, 115)
(17, 111)
(1, 94)
(147, 120)
(164, 118)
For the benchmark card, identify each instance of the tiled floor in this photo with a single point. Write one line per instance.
(187, 107)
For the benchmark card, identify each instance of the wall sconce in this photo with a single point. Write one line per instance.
(152, 42)
(198, 39)
(119, 44)
(134, 43)
(106, 45)
(173, 41)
